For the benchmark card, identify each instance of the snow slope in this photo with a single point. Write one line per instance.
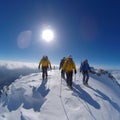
(116, 74)
(30, 98)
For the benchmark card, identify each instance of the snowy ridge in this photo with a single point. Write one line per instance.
(30, 98)
(112, 74)
(116, 74)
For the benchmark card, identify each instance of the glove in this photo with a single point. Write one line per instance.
(62, 71)
(80, 71)
(75, 71)
(90, 71)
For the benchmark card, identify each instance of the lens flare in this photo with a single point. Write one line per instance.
(24, 39)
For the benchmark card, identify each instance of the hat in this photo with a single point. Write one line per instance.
(70, 56)
(85, 60)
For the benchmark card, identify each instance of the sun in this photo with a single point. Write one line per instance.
(48, 35)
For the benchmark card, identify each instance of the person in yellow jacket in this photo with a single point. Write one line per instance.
(69, 66)
(45, 63)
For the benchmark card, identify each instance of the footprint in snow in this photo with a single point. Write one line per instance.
(72, 104)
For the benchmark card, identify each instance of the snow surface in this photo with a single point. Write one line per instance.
(116, 74)
(30, 98)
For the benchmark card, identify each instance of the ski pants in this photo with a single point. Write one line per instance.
(69, 76)
(85, 76)
(63, 74)
(44, 72)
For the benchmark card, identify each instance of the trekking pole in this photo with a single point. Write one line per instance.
(80, 75)
(40, 71)
(75, 78)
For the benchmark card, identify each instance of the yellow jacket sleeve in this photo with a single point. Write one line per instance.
(49, 64)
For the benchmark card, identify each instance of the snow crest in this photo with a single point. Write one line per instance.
(31, 98)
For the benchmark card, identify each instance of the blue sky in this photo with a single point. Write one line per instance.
(83, 28)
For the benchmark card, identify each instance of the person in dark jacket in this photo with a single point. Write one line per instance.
(85, 68)
(60, 67)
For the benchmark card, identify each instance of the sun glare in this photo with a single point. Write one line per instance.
(47, 35)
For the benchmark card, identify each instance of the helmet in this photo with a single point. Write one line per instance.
(70, 56)
(46, 57)
(86, 60)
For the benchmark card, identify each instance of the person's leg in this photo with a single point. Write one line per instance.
(87, 77)
(70, 78)
(46, 73)
(67, 78)
(43, 73)
(83, 73)
(62, 74)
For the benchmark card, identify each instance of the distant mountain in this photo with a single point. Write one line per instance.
(112, 74)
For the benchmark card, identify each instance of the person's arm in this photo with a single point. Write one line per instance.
(39, 65)
(89, 68)
(63, 66)
(74, 67)
(60, 65)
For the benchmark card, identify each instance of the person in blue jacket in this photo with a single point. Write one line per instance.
(85, 68)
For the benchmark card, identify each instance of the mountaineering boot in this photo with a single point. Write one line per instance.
(69, 86)
(84, 82)
(43, 76)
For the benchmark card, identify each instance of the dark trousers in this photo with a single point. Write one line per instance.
(63, 74)
(44, 72)
(69, 76)
(85, 76)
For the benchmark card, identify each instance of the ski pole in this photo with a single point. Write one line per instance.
(75, 77)
(79, 74)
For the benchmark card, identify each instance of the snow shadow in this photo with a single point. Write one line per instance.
(105, 97)
(20, 97)
(14, 100)
(42, 88)
(85, 96)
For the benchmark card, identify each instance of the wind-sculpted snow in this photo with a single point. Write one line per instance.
(31, 98)
(25, 95)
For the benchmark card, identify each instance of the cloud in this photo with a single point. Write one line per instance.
(12, 65)
(12, 70)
